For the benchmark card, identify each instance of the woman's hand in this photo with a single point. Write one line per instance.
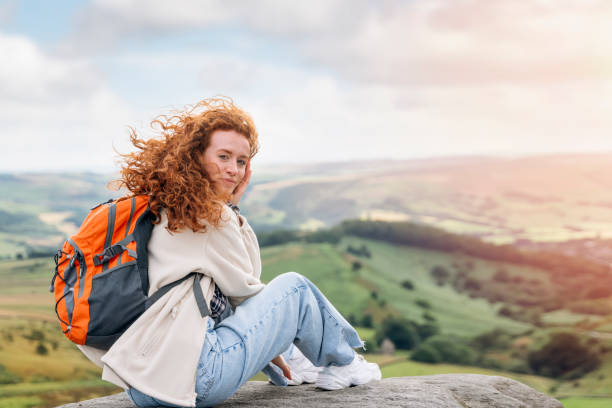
(242, 186)
(279, 361)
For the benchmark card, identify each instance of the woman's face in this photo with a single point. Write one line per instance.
(225, 159)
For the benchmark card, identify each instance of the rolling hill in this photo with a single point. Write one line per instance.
(533, 200)
(59, 373)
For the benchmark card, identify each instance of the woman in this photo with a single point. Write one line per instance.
(195, 176)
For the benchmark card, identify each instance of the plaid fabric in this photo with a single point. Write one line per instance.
(218, 303)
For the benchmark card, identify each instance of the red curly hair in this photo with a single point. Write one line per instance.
(169, 168)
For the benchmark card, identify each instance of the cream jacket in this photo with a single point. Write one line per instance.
(158, 355)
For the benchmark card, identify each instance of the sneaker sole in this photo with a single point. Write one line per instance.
(331, 382)
(305, 377)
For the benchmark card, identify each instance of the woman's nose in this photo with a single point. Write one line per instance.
(231, 168)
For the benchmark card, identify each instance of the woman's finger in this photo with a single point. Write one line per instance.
(242, 186)
(247, 177)
(279, 361)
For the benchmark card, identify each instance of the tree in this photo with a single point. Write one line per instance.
(563, 355)
(440, 274)
(361, 251)
(401, 331)
(429, 317)
(505, 311)
(471, 284)
(365, 251)
(428, 329)
(422, 303)
(496, 339)
(41, 349)
(35, 334)
(451, 349)
(426, 353)
(408, 285)
(329, 235)
(367, 321)
(276, 237)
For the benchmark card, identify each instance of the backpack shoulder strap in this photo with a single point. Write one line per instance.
(142, 233)
(197, 291)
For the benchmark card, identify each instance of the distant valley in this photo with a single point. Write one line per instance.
(501, 309)
(533, 201)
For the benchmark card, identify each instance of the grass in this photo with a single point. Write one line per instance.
(38, 388)
(595, 383)
(567, 318)
(457, 313)
(62, 362)
(330, 269)
(413, 368)
(323, 265)
(582, 402)
(52, 394)
(64, 374)
(21, 402)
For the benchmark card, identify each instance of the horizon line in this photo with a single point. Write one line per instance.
(504, 155)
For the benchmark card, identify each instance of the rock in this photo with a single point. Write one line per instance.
(435, 391)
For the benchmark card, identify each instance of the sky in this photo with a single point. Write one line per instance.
(329, 80)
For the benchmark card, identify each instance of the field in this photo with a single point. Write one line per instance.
(48, 370)
(351, 291)
(552, 198)
(330, 268)
(540, 198)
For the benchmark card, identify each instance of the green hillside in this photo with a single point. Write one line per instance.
(39, 367)
(37, 211)
(330, 268)
(462, 314)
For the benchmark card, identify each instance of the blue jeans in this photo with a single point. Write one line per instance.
(289, 310)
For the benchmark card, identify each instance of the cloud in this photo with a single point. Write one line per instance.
(333, 80)
(475, 42)
(55, 113)
(301, 115)
(107, 24)
(395, 42)
(29, 76)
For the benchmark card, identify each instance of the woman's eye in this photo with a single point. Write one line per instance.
(242, 162)
(223, 156)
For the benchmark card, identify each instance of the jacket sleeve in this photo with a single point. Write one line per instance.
(232, 259)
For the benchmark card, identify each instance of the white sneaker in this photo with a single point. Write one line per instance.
(302, 370)
(358, 372)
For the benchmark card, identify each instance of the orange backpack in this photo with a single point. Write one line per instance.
(103, 273)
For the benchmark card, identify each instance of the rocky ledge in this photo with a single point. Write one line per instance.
(435, 391)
